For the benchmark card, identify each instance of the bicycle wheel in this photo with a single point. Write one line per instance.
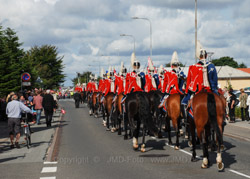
(28, 140)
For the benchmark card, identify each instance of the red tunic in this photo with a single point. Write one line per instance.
(101, 86)
(132, 82)
(109, 86)
(119, 84)
(170, 84)
(89, 86)
(94, 87)
(194, 78)
(149, 86)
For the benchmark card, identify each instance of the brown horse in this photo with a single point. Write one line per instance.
(208, 112)
(107, 106)
(173, 106)
(120, 114)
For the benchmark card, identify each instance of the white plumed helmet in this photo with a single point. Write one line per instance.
(200, 50)
(175, 60)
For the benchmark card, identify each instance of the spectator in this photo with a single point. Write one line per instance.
(248, 104)
(243, 104)
(3, 105)
(231, 106)
(49, 107)
(38, 102)
(13, 110)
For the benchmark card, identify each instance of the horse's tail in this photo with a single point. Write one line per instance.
(212, 114)
(144, 112)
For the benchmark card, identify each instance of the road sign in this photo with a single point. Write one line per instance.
(26, 77)
(26, 83)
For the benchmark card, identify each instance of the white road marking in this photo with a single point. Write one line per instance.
(238, 173)
(47, 177)
(49, 169)
(49, 163)
(233, 171)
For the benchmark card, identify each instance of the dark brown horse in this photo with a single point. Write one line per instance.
(208, 112)
(138, 112)
(107, 106)
(120, 112)
(95, 104)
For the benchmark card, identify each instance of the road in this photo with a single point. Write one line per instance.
(87, 150)
(84, 149)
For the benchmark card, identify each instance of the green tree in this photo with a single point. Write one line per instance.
(223, 61)
(168, 65)
(45, 64)
(84, 77)
(10, 60)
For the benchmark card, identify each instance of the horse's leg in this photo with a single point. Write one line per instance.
(168, 130)
(143, 139)
(125, 119)
(192, 131)
(177, 132)
(201, 133)
(220, 164)
(119, 118)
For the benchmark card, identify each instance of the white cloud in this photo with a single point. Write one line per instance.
(83, 29)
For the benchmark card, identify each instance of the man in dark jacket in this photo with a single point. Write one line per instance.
(48, 106)
(77, 98)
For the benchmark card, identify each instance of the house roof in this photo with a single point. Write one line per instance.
(244, 69)
(223, 72)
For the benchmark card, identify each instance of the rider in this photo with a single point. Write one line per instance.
(173, 80)
(161, 77)
(150, 78)
(133, 79)
(202, 75)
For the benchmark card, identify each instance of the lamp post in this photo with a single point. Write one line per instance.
(195, 31)
(143, 18)
(123, 35)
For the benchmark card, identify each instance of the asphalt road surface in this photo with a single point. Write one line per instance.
(87, 150)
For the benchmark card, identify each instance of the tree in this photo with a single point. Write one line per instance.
(10, 59)
(84, 77)
(168, 65)
(45, 64)
(227, 61)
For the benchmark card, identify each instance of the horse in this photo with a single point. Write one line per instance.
(208, 111)
(173, 106)
(94, 106)
(120, 112)
(137, 108)
(154, 97)
(107, 106)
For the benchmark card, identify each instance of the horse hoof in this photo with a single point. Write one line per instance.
(181, 132)
(108, 129)
(125, 137)
(119, 132)
(203, 166)
(135, 146)
(190, 144)
(143, 150)
(170, 143)
(186, 136)
(176, 148)
(159, 135)
(222, 147)
(220, 166)
(96, 116)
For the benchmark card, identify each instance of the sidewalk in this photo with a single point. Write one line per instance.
(239, 130)
(40, 142)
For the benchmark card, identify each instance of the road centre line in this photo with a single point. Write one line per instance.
(47, 177)
(49, 169)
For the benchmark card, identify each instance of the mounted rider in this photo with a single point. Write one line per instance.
(109, 83)
(173, 80)
(120, 80)
(201, 76)
(161, 77)
(134, 79)
(151, 78)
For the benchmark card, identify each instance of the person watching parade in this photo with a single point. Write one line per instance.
(202, 75)
(173, 80)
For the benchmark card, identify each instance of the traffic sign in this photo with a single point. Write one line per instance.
(26, 77)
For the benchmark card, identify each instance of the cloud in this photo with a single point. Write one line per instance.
(83, 29)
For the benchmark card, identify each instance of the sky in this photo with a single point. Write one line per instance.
(87, 32)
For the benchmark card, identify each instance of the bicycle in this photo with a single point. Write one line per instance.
(27, 132)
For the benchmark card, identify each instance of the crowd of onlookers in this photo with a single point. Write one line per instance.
(243, 103)
(28, 106)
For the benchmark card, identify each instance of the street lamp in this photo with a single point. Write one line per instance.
(143, 18)
(122, 35)
(195, 31)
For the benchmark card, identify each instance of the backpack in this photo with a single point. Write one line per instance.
(236, 102)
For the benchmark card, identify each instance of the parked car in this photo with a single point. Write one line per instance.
(247, 89)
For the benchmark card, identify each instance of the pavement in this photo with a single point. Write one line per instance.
(41, 140)
(239, 130)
